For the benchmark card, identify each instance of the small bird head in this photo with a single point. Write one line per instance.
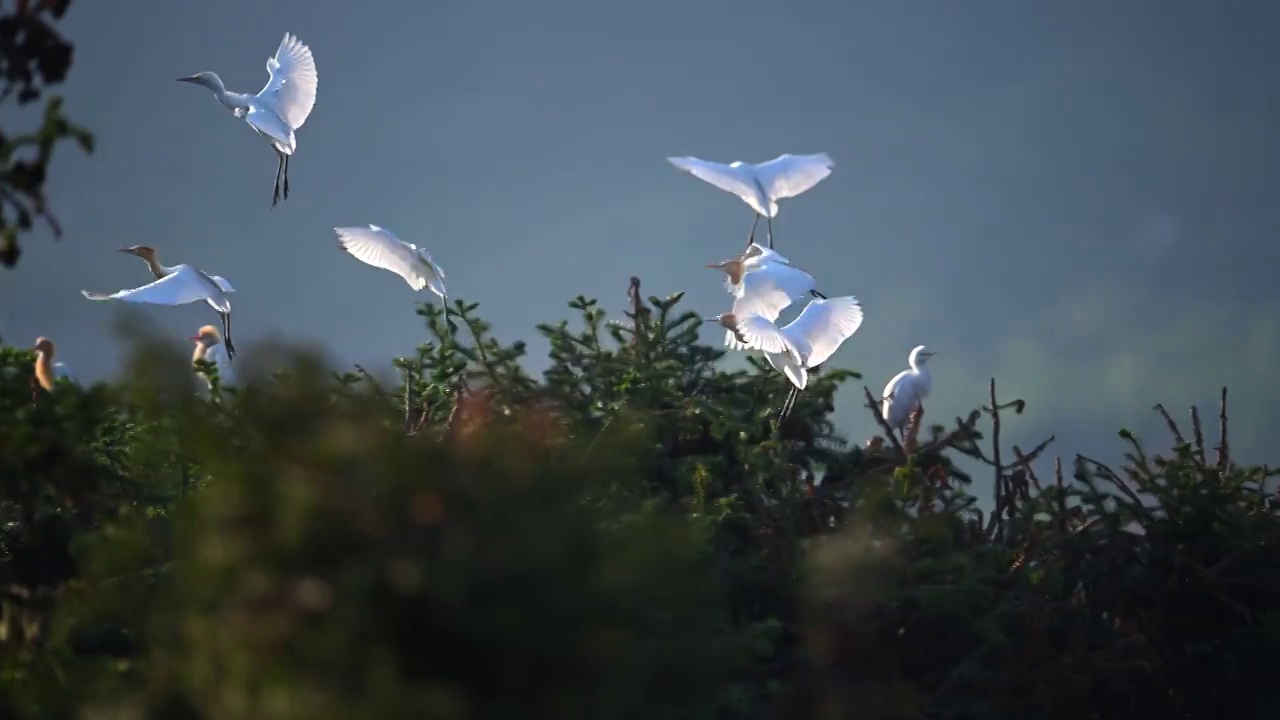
(43, 346)
(728, 320)
(204, 79)
(732, 268)
(921, 354)
(208, 336)
(143, 251)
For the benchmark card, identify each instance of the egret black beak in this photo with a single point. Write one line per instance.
(190, 79)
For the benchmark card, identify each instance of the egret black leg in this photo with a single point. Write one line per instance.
(286, 176)
(770, 223)
(817, 294)
(275, 192)
(788, 403)
(226, 335)
(751, 236)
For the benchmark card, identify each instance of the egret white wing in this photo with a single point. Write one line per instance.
(788, 175)
(757, 254)
(435, 276)
(218, 356)
(291, 90)
(222, 283)
(270, 125)
(380, 248)
(766, 290)
(899, 398)
(183, 285)
(735, 180)
(760, 334)
(790, 366)
(823, 325)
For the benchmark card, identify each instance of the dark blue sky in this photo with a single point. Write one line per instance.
(1078, 198)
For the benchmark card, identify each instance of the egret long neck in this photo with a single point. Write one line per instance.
(44, 371)
(156, 268)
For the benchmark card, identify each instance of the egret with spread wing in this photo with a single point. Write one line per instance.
(761, 185)
(148, 255)
(908, 389)
(762, 283)
(802, 344)
(183, 284)
(380, 248)
(280, 108)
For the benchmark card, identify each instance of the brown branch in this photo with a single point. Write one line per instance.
(884, 424)
(1197, 434)
(1110, 475)
(1061, 484)
(1224, 453)
(998, 489)
(1168, 421)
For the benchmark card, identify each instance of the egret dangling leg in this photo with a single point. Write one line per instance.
(770, 224)
(286, 176)
(226, 334)
(275, 192)
(751, 236)
(788, 403)
(817, 294)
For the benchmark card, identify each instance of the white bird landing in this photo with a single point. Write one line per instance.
(762, 185)
(148, 255)
(182, 284)
(280, 108)
(48, 371)
(209, 347)
(908, 389)
(380, 248)
(804, 343)
(762, 283)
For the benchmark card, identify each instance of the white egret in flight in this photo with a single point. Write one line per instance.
(148, 255)
(209, 347)
(380, 248)
(762, 185)
(280, 108)
(762, 283)
(908, 389)
(181, 284)
(804, 343)
(48, 371)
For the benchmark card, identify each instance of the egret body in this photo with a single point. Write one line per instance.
(802, 344)
(148, 255)
(279, 109)
(47, 370)
(908, 389)
(177, 285)
(762, 185)
(210, 348)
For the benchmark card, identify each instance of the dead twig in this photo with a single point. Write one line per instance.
(1224, 453)
(884, 424)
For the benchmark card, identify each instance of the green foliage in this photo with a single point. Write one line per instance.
(33, 57)
(632, 534)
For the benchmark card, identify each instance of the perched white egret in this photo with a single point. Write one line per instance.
(181, 285)
(148, 255)
(908, 389)
(209, 347)
(763, 285)
(802, 344)
(47, 370)
(762, 185)
(380, 248)
(280, 108)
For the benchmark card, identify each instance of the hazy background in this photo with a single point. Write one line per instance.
(1077, 198)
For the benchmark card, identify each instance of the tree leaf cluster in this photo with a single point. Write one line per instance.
(630, 533)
